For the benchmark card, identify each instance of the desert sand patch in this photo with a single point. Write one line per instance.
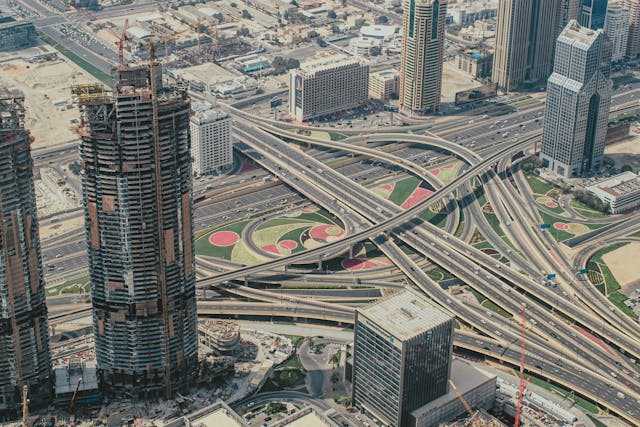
(623, 264)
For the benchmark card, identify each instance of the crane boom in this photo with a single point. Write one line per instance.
(72, 406)
(25, 405)
(464, 403)
(523, 337)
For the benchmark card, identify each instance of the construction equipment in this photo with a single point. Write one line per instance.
(464, 403)
(25, 405)
(523, 383)
(72, 406)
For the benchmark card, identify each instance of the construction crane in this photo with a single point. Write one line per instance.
(25, 405)
(72, 406)
(523, 383)
(464, 403)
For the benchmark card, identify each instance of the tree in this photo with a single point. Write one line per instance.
(335, 29)
(292, 63)
(232, 4)
(375, 51)
(626, 168)
(381, 20)
(246, 14)
(75, 168)
(332, 14)
(320, 42)
(243, 32)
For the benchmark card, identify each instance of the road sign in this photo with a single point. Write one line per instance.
(543, 226)
(389, 107)
(275, 102)
(584, 271)
(551, 276)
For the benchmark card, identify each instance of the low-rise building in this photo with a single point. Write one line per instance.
(384, 85)
(621, 192)
(327, 85)
(221, 336)
(211, 145)
(379, 32)
(466, 13)
(218, 414)
(476, 63)
(364, 46)
(17, 35)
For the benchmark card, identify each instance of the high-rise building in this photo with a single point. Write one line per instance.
(578, 98)
(616, 27)
(136, 184)
(633, 41)
(402, 356)
(327, 85)
(526, 31)
(24, 339)
(423, 29)
(592, 13)
(211, 145)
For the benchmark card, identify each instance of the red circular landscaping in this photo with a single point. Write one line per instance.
(560, 226)
(271, 248)
(449, 166)
(551, 204)
(357, 264)
(416, 197)
(322, 232)
(224, 238)
(288, 244)
(435, 171)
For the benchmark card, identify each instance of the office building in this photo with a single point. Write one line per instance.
(136, 184)
(24, 340)
(621, 192)
(592, 14)
(402, 356)
(384, 85)
(578, 97)
(17, 35)
(327, 85)
(616, 27)
(465, 14)
(423, 29)
(526, 31)
(211, 145)
(633, 41)
(569, 9)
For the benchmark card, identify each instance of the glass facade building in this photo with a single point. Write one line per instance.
(578, 99)
(593, 13)
(402, 356)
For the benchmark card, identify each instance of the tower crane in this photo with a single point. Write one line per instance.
(464, 403)
(72, 405)
(25, 405)
(523, 382)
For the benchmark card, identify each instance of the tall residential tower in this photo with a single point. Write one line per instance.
(423, 29)
(136, 182)
(616, 27)
(578, 97)
(526, 32)
(24, 340)
(633, 44)
(592, 13)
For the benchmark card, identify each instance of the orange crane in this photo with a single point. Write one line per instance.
(25, 406)
(464, 403)
(72, 406)
(523, 382)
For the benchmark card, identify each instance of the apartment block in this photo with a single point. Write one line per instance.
(592, 13)
(17, 35)
(633, 41)
(384, 85)
(211, 145)
(616, 27)
(327, 85)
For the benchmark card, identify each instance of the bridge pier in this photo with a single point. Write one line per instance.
(246, 281)
(320, 263)
(285, 268)
(350, 251)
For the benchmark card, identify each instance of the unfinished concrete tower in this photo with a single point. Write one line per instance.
(24, 342)
(136, 183)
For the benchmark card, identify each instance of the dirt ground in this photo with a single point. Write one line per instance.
(622, 265)
(625, 152)
(42, 84)
(455, 80)
(54, 229)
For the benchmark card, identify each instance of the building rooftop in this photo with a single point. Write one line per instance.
(406, 314)
(575, 32)
(465, 377)
(386, 74)
(617, 185)
(67, 377)
(219, 417)
(327, 62)
(378, 31)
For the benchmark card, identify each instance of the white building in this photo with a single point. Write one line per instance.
(380, 32)
(211, 146)
(362, 46)
(616, 26)
(384, 85)
(327, 85)
(621, 192)
(469, 12)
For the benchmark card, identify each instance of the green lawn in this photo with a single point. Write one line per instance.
(78, 285)
(494, 222)
(403, 189)
(91, 69)
(585, 210)
(562, 392)
(203, 247)
(437, 219)
(539, 185)
(493, 307)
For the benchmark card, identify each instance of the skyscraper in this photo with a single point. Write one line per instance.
(525, 36)
(136, 182)
(578, 97)
(402, 356)
(24, 340)
(423, 29)
(211, 145)
(616, 27)
(633, 42)
(592, 13)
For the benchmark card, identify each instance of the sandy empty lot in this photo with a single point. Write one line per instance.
(622, 263)
(42, 84)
